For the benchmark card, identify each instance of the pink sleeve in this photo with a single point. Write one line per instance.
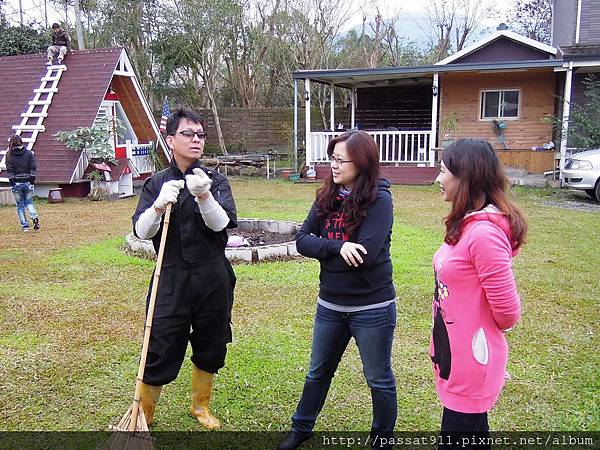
(490, 252)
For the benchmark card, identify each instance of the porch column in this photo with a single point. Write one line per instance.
(565, 118)
(295, 127)
(435, 91)
(353, 108)
(332, 107)
(307, 117)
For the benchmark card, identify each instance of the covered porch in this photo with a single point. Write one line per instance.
(402, 108)
(398, 109)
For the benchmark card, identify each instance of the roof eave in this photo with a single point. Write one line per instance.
(327, 76)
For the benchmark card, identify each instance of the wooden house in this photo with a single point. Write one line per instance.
(503, 88)
(37, 101)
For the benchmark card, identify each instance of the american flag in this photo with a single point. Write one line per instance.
(166, 112)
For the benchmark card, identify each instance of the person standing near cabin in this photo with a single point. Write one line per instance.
(475, 300)
(348, 230)
(61, 44)
(195, 293)
(21, 168)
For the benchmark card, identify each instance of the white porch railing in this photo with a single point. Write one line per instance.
(139, 154)
(395, 147)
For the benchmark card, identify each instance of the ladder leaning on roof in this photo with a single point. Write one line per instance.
(32, 120)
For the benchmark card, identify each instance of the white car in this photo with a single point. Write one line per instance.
(582, 171)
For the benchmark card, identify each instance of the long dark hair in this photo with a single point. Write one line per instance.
(481, 181)
(363, 152)
(14, 141)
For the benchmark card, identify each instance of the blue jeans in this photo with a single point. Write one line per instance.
(373, 331)
(23, 193)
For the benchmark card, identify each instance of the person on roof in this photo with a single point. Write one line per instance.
(61, 44)
(21, 168)
(475, 299)
(348, 230)
(195, 293)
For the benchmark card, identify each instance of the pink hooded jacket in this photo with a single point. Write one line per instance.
(475, 302)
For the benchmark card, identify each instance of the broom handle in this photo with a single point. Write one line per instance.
(149, 316)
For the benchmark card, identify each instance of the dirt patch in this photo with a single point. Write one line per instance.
(256, 237)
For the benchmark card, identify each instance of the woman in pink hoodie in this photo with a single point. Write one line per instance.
(475, 300)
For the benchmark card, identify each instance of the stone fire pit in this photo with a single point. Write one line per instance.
(267, 239)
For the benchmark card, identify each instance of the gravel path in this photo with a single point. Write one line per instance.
(577, 205)
(576, 200)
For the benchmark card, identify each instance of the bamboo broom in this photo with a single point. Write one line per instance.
(132, 429)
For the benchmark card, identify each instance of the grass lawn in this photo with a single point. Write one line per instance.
(72, 305)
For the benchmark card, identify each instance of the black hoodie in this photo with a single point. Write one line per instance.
(20, 165)
(370, 282)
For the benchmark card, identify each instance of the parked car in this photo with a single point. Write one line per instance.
(582, 171)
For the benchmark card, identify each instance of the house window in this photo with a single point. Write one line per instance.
(500, 104)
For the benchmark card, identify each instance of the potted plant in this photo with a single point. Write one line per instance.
(96, 143)
(448, 125)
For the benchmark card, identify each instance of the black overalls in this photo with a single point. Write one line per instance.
(195, 293)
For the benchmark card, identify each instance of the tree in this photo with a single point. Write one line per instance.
(3, 22)
(21, 40)
(380, 44)
(533, 19)
(454, 20)
(203, 25)
(78, 26)
(95, 141)
(584, 119)
(134, 25)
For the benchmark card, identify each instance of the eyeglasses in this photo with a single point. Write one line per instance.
(190, 134)
(339, 161)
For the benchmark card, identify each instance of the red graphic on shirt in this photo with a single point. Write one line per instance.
(335, 227)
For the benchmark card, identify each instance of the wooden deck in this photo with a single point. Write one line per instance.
(396, 175)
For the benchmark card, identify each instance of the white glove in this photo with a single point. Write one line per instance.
(199, 183)
(168, 193)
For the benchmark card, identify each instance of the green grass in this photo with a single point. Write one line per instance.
(72, 305)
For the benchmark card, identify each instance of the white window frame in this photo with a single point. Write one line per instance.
(498, 117)
(126, 122)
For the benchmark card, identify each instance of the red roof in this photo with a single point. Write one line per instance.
(80, 93)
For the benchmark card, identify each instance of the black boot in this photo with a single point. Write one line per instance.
(295, 439)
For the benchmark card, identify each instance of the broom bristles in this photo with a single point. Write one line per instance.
(139, 439)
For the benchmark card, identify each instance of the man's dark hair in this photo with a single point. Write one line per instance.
(55, 26)
(179, 113)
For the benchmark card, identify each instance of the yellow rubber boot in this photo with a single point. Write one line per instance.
(149, 398)
(202, 385)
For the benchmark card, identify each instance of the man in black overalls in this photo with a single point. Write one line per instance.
(195, 293)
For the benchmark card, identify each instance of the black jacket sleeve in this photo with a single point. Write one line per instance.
(148, 195)
(32, 168)
(373, 233)
(308, 240)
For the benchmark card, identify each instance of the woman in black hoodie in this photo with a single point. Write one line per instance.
(349, 230)
(20, 165)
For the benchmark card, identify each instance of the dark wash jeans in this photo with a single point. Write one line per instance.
(373, 331)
